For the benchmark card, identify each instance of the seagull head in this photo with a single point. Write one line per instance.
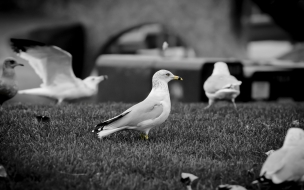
(187, 179)
(166, 76)
(294, 137)
(220, 68)
(95, 80)
(11, 63)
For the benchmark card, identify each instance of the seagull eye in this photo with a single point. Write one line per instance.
(93, 79)
(168, 74)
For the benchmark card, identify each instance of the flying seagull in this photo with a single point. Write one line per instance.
(151, 112)
(8, 86)
(287, 163)
(221, 85)
(54, 66)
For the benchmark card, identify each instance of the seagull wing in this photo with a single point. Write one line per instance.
(293, 165)
(219, 82)
(8, 89)
(143, 111)
(274, 162)
(52, 64)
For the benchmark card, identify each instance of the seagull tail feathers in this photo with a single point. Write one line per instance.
(107, 132)
(233, 85)
(100, 127)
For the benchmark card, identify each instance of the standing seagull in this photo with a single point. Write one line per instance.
(221, 85)
(286, 163)
(8, 86)
(151, 112)
(54, 66)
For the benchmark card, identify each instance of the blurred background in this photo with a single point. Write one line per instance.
(261, 40)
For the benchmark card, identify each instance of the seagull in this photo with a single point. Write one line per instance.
(145, 115)
(188, 179)
(287, 163)
(230, 187)
(8, 86)
(221, 85)
(54, 66)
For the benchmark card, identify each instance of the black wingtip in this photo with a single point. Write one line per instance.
(185, 181)
(23, 44)
(98, 128)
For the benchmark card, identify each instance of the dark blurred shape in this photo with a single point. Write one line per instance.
(70, 37)
(297, 76)
(286, 83)
(23, 44)
(42, 118)
(289, 15)
(6, 6)
(152, 40)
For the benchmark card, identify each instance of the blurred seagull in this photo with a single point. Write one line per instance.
(221, 85)
(188, 179)
(230, 187)
(54, 66)
(8, 86)
(287, 163)
(2, 171)
(151, 112)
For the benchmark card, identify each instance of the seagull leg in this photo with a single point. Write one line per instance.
(144, 137)
(211, 101)
(233, 101)
(59, 101)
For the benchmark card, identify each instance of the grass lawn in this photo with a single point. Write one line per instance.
(218, 145)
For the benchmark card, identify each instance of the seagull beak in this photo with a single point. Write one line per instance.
(177, 78)
(103, 77)
(19, 64)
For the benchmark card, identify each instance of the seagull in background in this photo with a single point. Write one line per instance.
(221, 85)
(164, 48)
(8, 85)
(54, 66)
(145, 115)
(287, 163)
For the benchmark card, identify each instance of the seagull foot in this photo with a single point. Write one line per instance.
(145, 137)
